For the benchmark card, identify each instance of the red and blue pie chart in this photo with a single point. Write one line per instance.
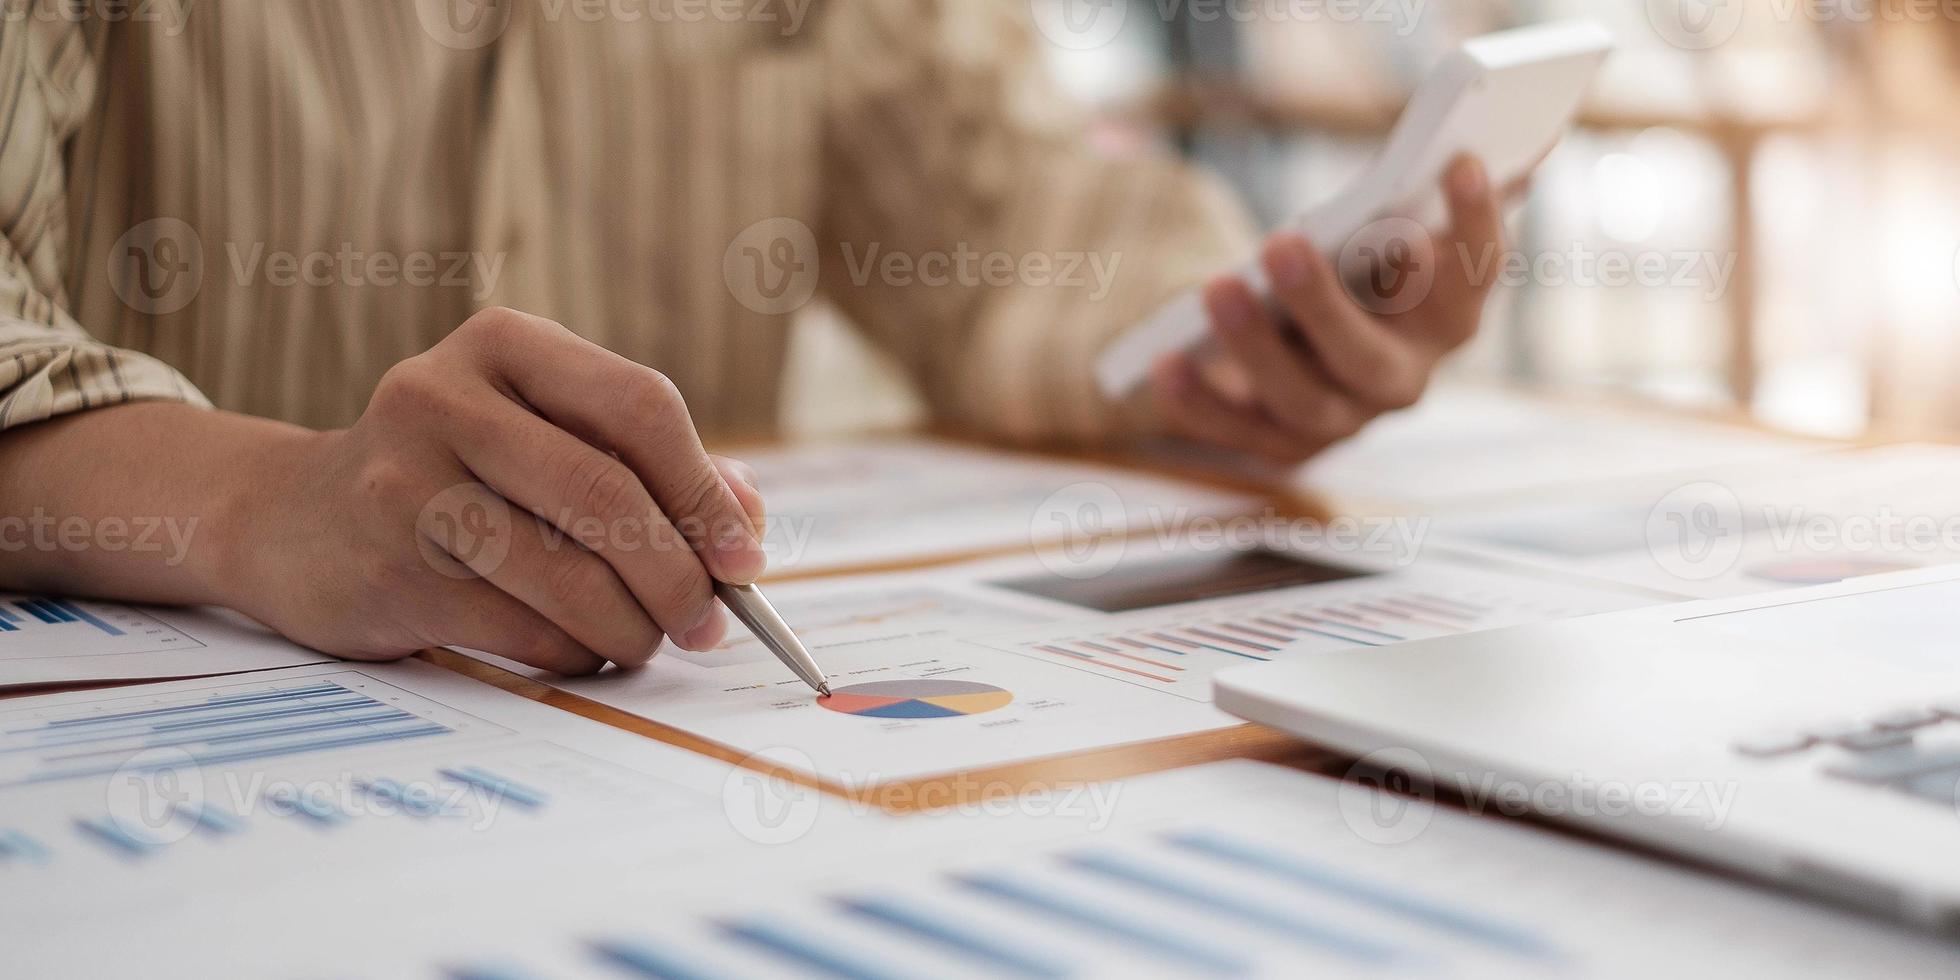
(920, 698)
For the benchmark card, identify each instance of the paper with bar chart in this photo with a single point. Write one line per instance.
(64, 641)
(113, 798)
(1232, 869)
(1000, 661)
(1177, 649)
(910, 697)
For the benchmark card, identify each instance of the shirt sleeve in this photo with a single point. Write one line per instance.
(50, 365)
(972, 232)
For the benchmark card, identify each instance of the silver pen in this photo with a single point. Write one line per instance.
(755, 612)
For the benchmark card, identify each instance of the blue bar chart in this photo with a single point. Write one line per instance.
(18, 847)
(238, 723)
(36, 626)
(1198, 900)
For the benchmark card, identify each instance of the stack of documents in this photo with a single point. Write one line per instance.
(1236, 869)
(463, 831)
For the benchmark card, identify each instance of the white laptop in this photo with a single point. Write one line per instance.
(1808, 737)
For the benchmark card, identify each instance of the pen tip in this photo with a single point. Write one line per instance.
(823, 689)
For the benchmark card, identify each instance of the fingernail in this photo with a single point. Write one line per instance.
(1469, 180)
(1229, 308)
(1286, 262)
(708, 633)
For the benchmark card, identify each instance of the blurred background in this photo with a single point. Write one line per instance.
(1785, 172)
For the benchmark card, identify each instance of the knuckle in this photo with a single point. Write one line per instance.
(1402, 392)
(497, 324)
(599, 486)
(410, 388)
(656, 400)
(699, 503)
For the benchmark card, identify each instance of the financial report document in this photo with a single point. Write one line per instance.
(1233, 869)
(1000, 661)
(871, 502)
(119, 803)
(52, 640)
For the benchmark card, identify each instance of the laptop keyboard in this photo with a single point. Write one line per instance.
(1913, 750)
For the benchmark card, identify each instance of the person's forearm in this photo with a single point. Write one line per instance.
(147, 502)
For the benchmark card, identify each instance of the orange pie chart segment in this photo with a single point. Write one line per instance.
(971, 704)
(917, 698)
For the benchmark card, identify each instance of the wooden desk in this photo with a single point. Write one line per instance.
(1250, 742)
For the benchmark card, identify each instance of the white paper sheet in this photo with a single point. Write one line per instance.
(995, 662)
(854, 504)
(1228, 869)
(72, 641)
(116, 803)
(1737, 530)
(1468, 445)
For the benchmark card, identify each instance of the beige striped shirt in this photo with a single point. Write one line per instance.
(267, 203)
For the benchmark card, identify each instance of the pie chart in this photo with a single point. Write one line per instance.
(923, 698)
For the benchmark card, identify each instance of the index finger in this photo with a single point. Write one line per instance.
(1468, 259)
(634, 411)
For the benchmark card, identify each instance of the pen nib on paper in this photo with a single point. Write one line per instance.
(823, 689)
